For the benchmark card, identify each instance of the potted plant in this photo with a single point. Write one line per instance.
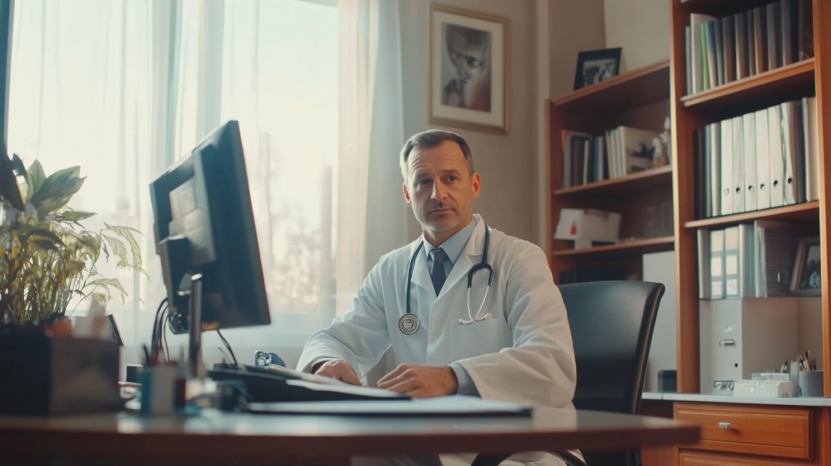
(48, 261)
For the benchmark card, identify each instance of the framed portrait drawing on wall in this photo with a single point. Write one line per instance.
(468, 63)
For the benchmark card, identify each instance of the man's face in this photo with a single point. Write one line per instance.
(439, 187)
(467, 58)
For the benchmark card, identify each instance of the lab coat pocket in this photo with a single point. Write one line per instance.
(478, 338)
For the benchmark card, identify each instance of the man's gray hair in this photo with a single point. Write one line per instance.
(434, 138)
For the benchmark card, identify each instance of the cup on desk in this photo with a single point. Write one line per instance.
(810, 383)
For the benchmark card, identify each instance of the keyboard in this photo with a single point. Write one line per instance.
(278, 384)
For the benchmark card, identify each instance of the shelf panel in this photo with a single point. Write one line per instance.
(625, 92)
(799, 212)
(634, 248)
(648, 180)
(782, 83)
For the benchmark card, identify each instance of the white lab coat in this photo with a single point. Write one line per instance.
(522, 354)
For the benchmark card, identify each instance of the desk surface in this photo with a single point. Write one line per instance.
(222, 435)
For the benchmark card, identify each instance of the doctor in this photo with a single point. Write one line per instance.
(503, 338)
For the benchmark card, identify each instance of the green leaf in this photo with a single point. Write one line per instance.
(75, 215)
(127, 234)
(118, 249)
(8, 184)
(57, 185)
(101, 297)
(44, 233)
(45, 245)
(35, 177)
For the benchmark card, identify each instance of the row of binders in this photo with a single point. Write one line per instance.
(723, 50)
(765, 159)
(748, 260)
(588, 158)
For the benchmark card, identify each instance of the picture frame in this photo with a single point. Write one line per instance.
(596, 66)
(468, 70)
(806, 279)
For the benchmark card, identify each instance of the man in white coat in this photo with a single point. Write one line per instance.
(516, 348)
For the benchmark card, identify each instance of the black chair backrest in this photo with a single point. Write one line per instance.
(611, 324)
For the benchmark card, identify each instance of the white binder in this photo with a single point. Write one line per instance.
(715, 168)
(738, 165)
(790, 182)
(726, 167)
(750, 186)
(762, 161)
(777, 161)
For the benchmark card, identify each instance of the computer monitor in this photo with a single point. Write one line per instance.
(204, 199)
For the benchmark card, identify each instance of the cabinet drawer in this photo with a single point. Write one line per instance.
(698, 459)
(769, 431)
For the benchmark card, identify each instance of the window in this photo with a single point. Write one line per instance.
(125, 88)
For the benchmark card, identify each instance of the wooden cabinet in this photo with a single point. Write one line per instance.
(770, 431)
(710, 459)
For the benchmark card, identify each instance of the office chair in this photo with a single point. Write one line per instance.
(611, 325)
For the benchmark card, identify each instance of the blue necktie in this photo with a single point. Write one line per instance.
(437, 269)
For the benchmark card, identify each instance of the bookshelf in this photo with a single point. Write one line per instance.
(802, 79)
(639, 99)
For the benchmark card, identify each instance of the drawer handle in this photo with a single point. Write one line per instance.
(723, 425)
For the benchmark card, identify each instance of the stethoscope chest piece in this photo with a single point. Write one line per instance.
(408, 324)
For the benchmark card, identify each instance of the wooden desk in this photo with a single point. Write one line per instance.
(220, 438)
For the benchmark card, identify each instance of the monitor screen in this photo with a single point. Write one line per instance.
(205, 199)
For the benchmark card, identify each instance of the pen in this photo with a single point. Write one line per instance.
(814, 362)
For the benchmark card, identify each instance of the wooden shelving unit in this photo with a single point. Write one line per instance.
(792, 81)
(656, 178)
(639, 98)
(806, 78)
(634, 248)
(796, 213)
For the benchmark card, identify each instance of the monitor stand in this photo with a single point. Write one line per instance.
(191, 285)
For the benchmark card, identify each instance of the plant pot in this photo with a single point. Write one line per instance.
(58, 375)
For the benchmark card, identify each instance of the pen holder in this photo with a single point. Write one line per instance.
(158, 389)
(810, 383)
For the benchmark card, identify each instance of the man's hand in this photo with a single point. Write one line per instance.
(337, 369)
(421, 381)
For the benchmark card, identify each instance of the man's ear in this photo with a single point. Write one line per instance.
(407, 194)
(476, 182)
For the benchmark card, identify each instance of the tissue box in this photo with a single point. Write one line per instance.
(58, 375)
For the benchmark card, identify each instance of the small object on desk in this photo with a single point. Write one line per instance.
(811, 383)
(668, 381)
(158, 384)
(764, 389)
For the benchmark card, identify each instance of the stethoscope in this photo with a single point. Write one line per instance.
(408, 323)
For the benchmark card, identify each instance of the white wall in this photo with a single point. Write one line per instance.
(641, 27)
(574, 27)
(505, 162)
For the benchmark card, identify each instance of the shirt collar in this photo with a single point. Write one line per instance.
(455, 245)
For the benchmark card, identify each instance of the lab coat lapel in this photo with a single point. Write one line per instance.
(421, 275)
(472, 253)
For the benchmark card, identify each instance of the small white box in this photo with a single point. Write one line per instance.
(764, 389)
(587, 225)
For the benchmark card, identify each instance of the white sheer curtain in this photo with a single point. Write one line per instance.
(123, 88)
(371, 210)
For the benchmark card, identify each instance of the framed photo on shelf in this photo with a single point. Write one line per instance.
(596, 66)
(806, 279)
(468, 70)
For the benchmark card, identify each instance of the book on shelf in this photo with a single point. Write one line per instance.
(589, 158)
(721, 50)
(768, 158)
(748, 260)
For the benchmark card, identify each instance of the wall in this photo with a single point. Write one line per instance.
(641, 27)
(505, 162)
(574, 26)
